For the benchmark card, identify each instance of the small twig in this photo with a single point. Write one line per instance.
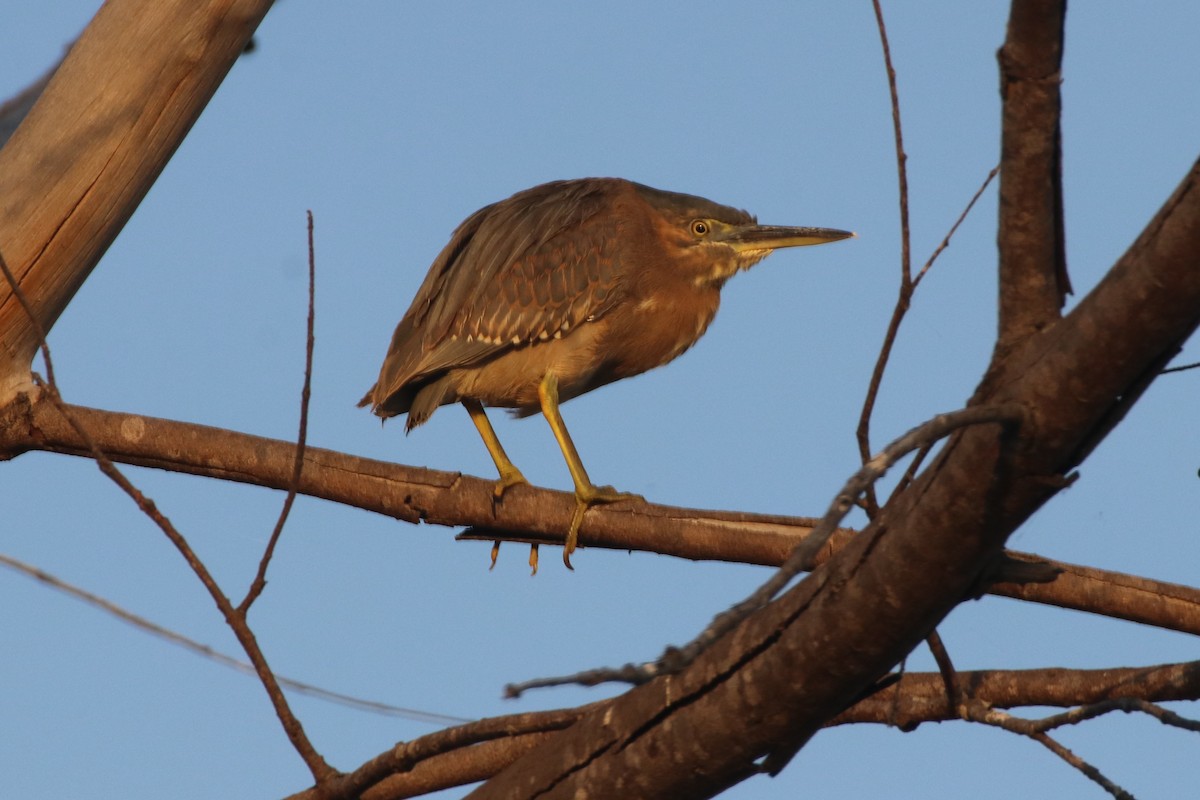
(945, 666)
(1180, 368)
(1165, 716)
(863, 434)
(908, 283)
(1036, 729)
(317, 765)
(977, 712)
(1126, 704)
(260, 579)
(901, 156)
(903, 302)
(801, 558)
(1089, 771)
(245, 667)
(991, 176)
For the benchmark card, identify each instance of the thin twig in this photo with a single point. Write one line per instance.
(34, 322)
(801, 558)
(991, 176)
(1037, 729)
(317, 765)
(1088, 770)
(863, 434)
(1180, 368)
(245, 667)
(260, 579)
(941, 657)
(903, 303)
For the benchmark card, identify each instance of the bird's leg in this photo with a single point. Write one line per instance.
(509, 475)
(587, 494)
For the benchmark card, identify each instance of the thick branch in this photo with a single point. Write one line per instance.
(479, 750)
(536, 515)
(1033, 273)
(88, 151)
(760, 693)
(452, 760)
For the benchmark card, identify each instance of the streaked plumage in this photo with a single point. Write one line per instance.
(573, 283)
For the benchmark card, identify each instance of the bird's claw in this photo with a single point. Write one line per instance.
(533, 557)
(585, 498)
(508, 479)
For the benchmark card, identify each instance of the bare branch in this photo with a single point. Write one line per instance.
(1180, 368)
(863, 434)
(234, 618)
(790, 667)
(920, 697)
(1036, 730)
(93, 143)
(1033, 272)
(954, 228)
(405, 757)
(469, 753)
(1089, 771)
(538, 515)
(475, 763)
(260, 579)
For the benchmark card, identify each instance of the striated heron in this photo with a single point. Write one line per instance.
(558, 290)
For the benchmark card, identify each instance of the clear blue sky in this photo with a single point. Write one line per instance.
(392, 122)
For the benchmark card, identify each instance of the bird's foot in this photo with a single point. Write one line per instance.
(510, 476)
(508, 479)
(585, 498)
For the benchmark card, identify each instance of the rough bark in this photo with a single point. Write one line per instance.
(769, 686)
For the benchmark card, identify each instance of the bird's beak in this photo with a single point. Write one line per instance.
(759, 238)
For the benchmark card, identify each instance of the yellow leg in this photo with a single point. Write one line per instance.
(587, 494)
(509, 475)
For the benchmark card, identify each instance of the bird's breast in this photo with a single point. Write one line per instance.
(653, 330)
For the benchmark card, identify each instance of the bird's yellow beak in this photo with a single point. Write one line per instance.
(759, 238)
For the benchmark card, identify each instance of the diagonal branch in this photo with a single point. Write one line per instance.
(762, 691)
(260, 578)
(86, 154)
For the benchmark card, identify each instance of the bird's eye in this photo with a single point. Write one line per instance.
(700, 227)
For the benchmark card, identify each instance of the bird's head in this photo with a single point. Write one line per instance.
(711, 242)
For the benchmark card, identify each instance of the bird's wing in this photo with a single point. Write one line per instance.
(525, 269)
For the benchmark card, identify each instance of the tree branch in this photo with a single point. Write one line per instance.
(921, 697)
(763, 690)
(477, 751)
(1033, 273)
(94, 142)
(536, 515)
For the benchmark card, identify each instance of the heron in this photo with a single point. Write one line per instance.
(561, 289)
